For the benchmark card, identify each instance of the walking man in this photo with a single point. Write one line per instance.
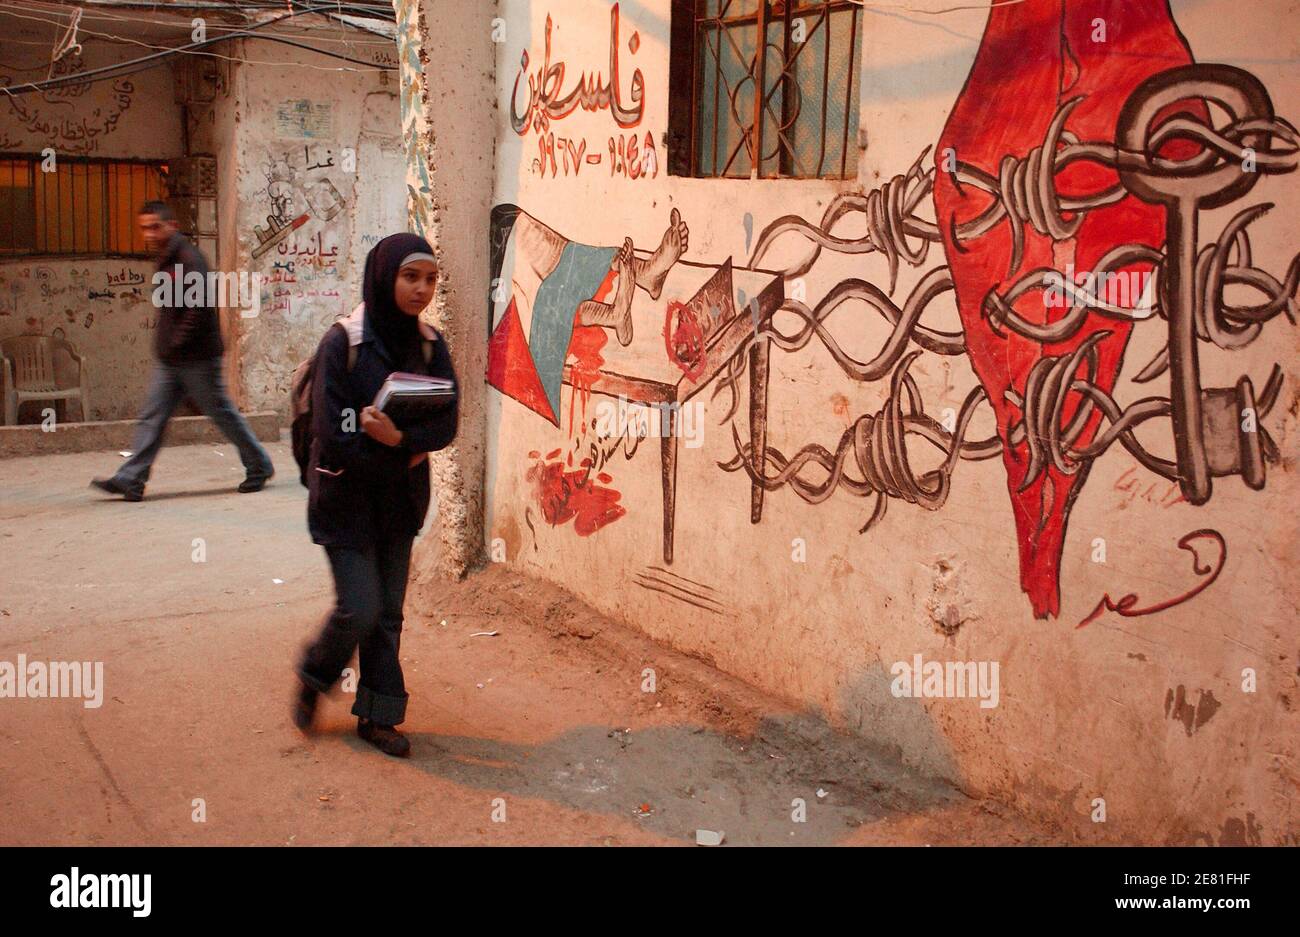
(187, 344)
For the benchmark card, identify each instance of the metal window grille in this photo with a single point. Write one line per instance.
(804, 123)
(86, 206)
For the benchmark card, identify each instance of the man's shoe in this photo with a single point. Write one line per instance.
(385, 738)
(114, 487)
(304, 707)
(255, 482)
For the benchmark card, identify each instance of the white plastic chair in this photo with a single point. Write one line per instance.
(29, 373)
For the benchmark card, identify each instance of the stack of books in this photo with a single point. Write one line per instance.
(413, 398)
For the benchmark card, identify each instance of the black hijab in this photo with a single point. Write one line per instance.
(398, 332)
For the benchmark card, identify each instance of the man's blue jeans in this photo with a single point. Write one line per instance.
(202, 382)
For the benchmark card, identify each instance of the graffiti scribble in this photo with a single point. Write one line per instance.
(1125, 605)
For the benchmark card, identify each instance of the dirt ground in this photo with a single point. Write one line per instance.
(541, 734)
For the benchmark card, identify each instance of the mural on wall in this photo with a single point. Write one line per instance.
(297, 189)
(62, 116)
(299, 240)
(1061, 231)
(1071, 88)
(553, 305)
(555, 285)
(548, 101)
(1132, 143)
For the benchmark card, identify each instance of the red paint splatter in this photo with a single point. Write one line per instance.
(584, 357)
(584, 362)
(564, 496)
(684, 339)
(573, 495)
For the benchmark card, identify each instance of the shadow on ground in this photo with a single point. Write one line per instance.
(674, 780)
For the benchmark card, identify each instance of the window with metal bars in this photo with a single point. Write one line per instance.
(804, 124)
(85, 206)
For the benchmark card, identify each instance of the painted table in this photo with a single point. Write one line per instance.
(730, 304)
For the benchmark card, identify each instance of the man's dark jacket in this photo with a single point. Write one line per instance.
(185, 333)
(359, 490)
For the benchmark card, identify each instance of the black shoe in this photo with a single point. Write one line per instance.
(385, 738)
(114, 487)
(255, 482)
(304, 707)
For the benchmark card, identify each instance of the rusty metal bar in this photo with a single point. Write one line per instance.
(826, 90)
(717, 87)
(848, 97)
(784, 159)
(760, 83)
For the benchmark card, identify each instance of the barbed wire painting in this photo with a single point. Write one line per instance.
(1069, 161)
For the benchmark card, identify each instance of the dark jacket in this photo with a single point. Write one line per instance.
(359, 490)
(185, 333)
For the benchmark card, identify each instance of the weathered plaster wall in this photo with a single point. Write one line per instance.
(1145, 711)
(213, 130)
(447, 64)
(133, 116)
(101, 306)
(324, 146)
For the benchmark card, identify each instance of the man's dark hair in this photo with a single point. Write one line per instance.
(161, 209)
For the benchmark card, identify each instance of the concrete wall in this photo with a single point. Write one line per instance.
(328, 149)
(1144, 711)
(101, 306)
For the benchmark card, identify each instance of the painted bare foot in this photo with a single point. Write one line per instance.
(652, 271)
(618, 313)
(623, 263)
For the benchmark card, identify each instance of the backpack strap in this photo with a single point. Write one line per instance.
(352, 324)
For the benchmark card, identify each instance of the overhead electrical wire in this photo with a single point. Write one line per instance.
(335, 26)
(130, 67)
(112, 36)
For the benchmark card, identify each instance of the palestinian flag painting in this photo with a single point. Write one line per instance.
(539, 280)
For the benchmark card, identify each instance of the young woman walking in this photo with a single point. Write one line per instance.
(369, 484)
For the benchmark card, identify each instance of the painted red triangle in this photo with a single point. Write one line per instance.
(510, 366)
